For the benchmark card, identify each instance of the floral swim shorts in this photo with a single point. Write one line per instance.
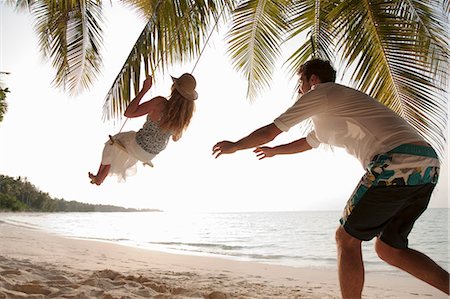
(392, 194)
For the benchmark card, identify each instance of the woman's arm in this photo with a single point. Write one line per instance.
(135, 109)
(294, 147)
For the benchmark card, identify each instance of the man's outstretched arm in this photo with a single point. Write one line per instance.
(256, 138)
(294, 147)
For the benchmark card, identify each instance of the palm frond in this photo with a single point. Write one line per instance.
(446, 7)
(254, 40)
(20, 5)
(397, 53)
(119, 95)
(311, 16)
(173, 34)
(146, 8)
(70, 35)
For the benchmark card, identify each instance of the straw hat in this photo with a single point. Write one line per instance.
(185, 85)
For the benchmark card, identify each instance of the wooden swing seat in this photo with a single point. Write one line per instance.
(120, 145)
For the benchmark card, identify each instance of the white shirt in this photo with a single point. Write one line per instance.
(345, 117)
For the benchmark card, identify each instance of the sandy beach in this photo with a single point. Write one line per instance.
(36, 264)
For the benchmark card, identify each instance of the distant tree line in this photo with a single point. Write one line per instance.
(18, 194)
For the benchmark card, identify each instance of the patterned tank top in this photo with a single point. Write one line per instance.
(151, 138)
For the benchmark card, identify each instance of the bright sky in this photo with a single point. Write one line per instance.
(54, 140)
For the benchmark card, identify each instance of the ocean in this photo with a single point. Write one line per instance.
(298, 239)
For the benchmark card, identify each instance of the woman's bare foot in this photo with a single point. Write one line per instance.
(102, 173)
(93, 179)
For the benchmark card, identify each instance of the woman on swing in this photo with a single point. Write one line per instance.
(165, 118)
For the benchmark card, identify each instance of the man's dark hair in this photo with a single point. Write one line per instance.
(320, 68)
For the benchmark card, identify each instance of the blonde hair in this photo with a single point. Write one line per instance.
(177, 113)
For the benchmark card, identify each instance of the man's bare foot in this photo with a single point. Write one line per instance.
(93, 179)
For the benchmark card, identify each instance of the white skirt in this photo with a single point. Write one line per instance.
(123, 155)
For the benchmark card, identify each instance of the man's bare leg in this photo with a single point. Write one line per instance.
(415, 263)
(350, 264)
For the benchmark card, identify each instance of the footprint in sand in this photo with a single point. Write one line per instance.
(31, 288)
(10, 272)
(217, 295)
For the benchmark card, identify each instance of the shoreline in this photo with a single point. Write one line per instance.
(37, 264)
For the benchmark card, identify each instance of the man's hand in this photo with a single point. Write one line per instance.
(264, 152)
(224, 147)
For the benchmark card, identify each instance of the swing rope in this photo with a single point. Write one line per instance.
(196, 62)
(207, 40)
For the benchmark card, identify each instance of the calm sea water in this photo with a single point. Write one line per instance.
(299, 239)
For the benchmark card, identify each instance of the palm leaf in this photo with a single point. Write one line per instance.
(173, 34)
(254, 40)
(399, 58)
(311, 16)
(20, 5)
(70, 35)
